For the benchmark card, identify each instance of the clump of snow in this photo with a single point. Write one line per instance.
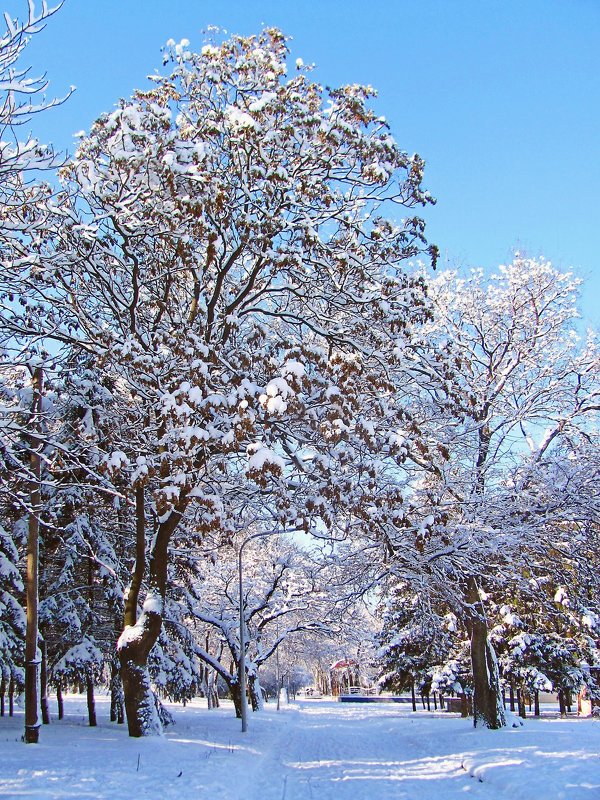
(129, 635)
(141, 469)
(274, 397)
(398, 438)
(561, 596)
(195, 395)
(293, 367)
(116, 460)
(239, 119)
(260, 103)
(153, 603)
(260, 456)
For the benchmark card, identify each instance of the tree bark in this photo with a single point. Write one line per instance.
(562, 706)
(138, 638)
(212, 694)
(536, 703)
(91, 703)
(487, 700)
(117, 701)
(464, 705)
(210, 677)
(133, 591)
(45, 709)
(32, 661)
(236, 696)
(255, 691)
(2, 695)
(59, 701)
(521, 703)
(134, 646)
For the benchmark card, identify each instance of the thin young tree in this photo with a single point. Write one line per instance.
(21, 97)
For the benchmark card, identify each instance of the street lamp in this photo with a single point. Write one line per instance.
(242, 661)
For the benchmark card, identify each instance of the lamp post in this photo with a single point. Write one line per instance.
(242, 660)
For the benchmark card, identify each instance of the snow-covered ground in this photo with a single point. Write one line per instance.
(310, 750)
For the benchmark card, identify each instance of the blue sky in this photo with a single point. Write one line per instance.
(501, 98)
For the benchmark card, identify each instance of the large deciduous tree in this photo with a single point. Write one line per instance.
(502, 384)
(220, 251)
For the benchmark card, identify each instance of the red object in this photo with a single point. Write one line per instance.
(350, 662)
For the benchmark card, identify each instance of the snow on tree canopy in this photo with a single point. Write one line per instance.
(80, 660)
(219, 253)
(259, 456)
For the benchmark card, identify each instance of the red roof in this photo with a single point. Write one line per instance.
(344, 663)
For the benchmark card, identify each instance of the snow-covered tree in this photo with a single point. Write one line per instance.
(21, 97)
(546, 626)
(82, 664)
(500, 382)
(414, 640)
(219, 250)
(283, 599)
(12, 617)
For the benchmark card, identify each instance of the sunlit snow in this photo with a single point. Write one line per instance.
(309, 750)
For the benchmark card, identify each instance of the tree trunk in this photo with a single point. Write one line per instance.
(59, 701)
(521, 703)
(134, 645)
(413, 696)
(562, 706)
(11, 697)
(45, 709)
(32, 661)
(2, 695)
(236, 696)
(139, 637)
(117, 701)
(91, 703)
(464, 705)
(255, 691)
(512, 697)
(487, 700)
(536, 703)
(133, 591)
(140, 707)
(212, 694)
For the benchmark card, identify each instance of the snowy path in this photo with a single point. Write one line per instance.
(314, 750)
(340, 751)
